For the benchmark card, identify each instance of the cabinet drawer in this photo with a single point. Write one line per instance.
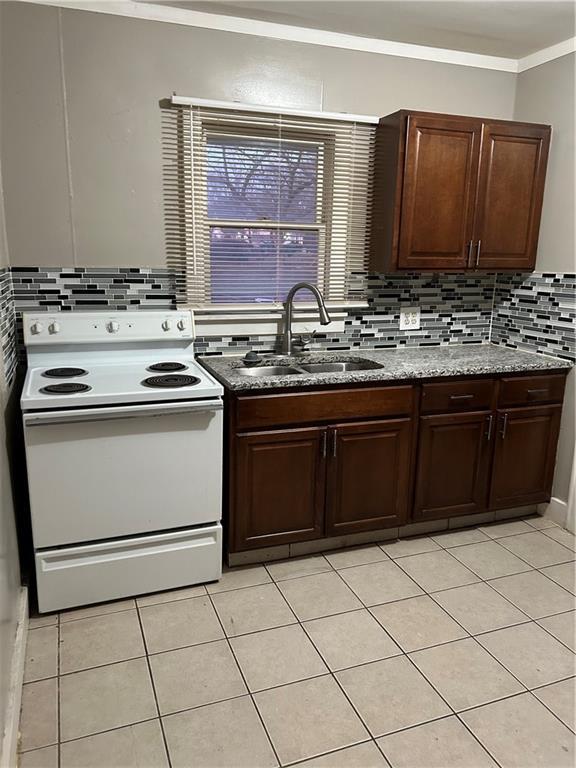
(450, 396)
(529, 390)
(313, 407)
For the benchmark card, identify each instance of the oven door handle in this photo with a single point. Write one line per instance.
(42, 418)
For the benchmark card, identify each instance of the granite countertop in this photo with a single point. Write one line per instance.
(397, 364)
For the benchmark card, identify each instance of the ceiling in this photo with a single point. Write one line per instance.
(497, 28)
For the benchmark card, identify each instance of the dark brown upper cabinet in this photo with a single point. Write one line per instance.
(457, 193)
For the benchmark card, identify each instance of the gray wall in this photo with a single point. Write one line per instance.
(82, 122)
(546, 94)
(9, 569)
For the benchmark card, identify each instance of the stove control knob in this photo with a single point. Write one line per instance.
(54, 327)
(112, 326)
(36, 328)
(181, 325)
(166, 325)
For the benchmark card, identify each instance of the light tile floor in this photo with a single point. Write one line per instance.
(454, 650)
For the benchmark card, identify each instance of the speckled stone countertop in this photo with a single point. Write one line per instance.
(396, 364)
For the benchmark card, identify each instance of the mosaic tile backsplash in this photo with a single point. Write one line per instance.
(454, 308)
(7, 326)
(534, 312)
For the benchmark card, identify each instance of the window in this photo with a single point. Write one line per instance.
(256, 202)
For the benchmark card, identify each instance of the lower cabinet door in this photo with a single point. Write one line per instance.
(524, 457)
(453, 465)
(368, 476)
(279, 487)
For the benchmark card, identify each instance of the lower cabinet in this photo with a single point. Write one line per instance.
(482, 444)
(368, 476)
(524, 455)
(453, 465)
(298, 484)
(280, 487)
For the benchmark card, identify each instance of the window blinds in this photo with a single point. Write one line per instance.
(256, 201)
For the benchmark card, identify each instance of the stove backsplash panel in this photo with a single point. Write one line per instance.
(536, 312)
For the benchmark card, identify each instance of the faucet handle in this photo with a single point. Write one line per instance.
(303, 339)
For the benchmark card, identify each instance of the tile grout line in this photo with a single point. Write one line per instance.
(249, 692)
(530, 566)
(500, 663)
(526, 689)
(333, 674)
(153, 684)
(58, 665)
(571, 727)
(407, 656)
(330, 672)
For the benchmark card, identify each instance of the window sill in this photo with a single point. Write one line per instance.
(236, 321)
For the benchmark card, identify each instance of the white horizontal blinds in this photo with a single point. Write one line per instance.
(178, 210)
(273, 200)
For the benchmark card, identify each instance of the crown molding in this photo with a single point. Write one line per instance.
(547, 54)
(172, 15)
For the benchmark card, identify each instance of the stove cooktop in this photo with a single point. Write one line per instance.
(106, 382)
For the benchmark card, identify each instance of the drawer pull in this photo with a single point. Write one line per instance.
(504, 425)
(535, 392)
(461, 397)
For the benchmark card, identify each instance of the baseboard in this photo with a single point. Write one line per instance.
(555, 510)
(418, 528)
(8, 757)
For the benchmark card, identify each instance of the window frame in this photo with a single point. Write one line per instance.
(229, 318)
(323, 140)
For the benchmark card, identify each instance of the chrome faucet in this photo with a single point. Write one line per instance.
(288, 308)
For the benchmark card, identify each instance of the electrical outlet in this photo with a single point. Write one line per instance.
(409, 318)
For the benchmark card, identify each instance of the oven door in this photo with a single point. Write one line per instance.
(101, 473)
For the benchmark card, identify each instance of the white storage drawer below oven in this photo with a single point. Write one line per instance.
(94, 573)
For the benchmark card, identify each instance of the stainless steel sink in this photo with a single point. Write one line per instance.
(268, 370)
(351, 365)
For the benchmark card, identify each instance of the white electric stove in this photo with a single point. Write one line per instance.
(123, 434)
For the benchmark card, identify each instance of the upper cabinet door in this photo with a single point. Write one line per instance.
(510, 192)
(439, 191)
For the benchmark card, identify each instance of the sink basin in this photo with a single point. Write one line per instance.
(268, 370)
(351, 365)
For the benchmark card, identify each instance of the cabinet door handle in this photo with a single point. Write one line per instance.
(489, 430)
(504, 425)
(461, 397)
(325, 444)
(470, 247)
(478, 246)
(335, 443)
